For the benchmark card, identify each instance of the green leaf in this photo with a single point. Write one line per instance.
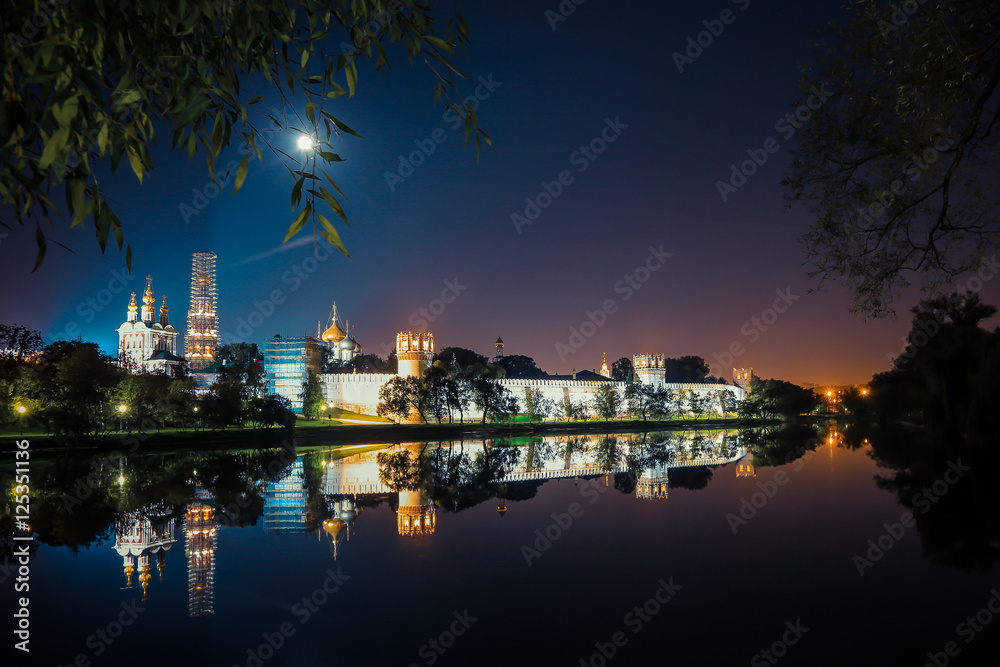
(241, 173)
(299, 222)
(54, 147)
(102, 139)
(330, 234)
(136, 163)
(332, 202)
(352, 78)
(130, 97)
(440, 43)
(40, 240)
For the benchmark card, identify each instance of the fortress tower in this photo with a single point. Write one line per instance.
(649, 369)
(741, 377)
(415, 515)
(414, 352)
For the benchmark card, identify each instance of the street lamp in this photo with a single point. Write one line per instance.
(122, 409)
(323, 408)
(21, 410)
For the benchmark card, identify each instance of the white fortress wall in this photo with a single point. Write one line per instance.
(358, 392)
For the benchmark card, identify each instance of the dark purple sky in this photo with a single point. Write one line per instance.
(550, 93)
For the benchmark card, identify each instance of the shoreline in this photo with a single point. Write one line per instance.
(344, 434)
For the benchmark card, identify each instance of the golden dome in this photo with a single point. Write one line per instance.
(334, 334)
(334, 527)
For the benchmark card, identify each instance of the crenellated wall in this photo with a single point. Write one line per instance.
(358, 392)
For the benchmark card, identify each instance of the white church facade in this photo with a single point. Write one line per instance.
(145, 344)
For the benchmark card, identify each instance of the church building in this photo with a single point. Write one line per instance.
(144, 344)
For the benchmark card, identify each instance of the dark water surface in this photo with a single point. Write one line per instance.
(338, 564)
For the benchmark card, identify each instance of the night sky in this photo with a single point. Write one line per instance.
(548, 93)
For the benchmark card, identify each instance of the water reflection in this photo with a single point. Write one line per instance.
(141, 502)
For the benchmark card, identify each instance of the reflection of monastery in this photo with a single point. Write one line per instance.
(141, 537)
(287, 361)
(354, 480)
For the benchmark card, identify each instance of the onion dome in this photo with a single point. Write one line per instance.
(348, 516)
(347, 343)
(334, 526)
(334, 334)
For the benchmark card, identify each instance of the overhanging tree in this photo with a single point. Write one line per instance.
(87, 84)
(897, 156)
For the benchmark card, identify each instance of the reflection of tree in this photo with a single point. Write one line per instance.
(693, 478)
(447, 474)
(78, 500)
(775, 446)
(961, 527)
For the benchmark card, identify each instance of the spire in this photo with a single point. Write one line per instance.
(133, 309)
(163, 312)
(147, 301)
(604, 367)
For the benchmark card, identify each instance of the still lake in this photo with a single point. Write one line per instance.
(826, 546)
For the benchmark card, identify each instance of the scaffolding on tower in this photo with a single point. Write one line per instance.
(202, 334)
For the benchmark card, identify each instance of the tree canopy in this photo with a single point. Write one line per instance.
(520, 366)
(689, 368)
(896, 153)
(88, 84)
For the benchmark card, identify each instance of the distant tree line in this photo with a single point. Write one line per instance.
(72, 390)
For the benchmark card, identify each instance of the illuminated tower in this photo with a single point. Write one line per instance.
(415, 515)
(604, 366)
(199, 531)
(499, 347)
(741, 377)
(414, 352)
(203, 331)
(649, 368)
